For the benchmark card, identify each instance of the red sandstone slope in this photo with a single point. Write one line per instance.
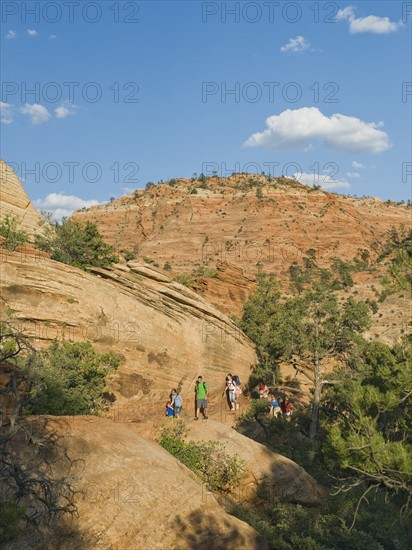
(239, 224)
(242, 220)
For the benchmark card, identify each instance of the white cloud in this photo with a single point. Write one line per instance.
(11, 35)
(52, 36)
(65, 110)
(302, 128)
(61, 205)
(6, 112)
(38, 113)
(326, 181)
(32, 32)
(371, 23)
(357, 165)
(296, 45)
(353, 174)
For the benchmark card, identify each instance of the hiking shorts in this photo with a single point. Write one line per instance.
(178, 409)
(232, 396)
(201, 403)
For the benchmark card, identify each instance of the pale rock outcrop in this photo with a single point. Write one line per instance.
(167, 333)
(15, 201)
(131, 494)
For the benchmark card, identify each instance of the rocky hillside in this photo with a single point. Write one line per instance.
(167, 333)
(246, 221)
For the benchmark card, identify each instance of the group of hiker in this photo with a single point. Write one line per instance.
(175, 402)
(232, 389)
(277, 408)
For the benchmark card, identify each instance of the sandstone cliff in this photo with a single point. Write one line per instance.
(167, 333)
(15, 201)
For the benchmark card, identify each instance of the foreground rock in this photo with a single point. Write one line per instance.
(132, 495)
(281, 479)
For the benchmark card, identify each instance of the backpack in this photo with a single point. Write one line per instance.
(236, 379)
(204, 386)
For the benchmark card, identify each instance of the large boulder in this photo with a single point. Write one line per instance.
(281, 479)
(130, 494)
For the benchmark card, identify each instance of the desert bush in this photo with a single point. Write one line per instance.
(208, 459)
(128, 255)
(334, 525)
(71, 379)
(77, 244)
(13, 236)
(185, 279)
(10, 516)
(205, 272)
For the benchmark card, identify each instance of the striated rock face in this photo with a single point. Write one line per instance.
(132, 494)
(228, 222)
(167, 333)
(15, 201)
(246, 222)
(228, 290)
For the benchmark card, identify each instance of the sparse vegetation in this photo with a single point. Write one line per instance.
(150, 261)
(204, 271)
(77, 244)
(207, 459)
(185, 279)
(12, 234)
(129, 255)
(30, 492)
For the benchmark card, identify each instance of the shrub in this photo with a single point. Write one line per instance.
(77, 244)
(71, 378)
(13, 236)
(128, 255)
(10, 516)
(184, 279)
(205, 272)
(167, 267)
(329, 527)
(208, 459)
(259, 193)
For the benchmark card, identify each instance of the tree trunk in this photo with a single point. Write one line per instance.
(313, 428)
(315, 403)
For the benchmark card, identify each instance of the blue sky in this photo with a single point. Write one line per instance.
(98, 98)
